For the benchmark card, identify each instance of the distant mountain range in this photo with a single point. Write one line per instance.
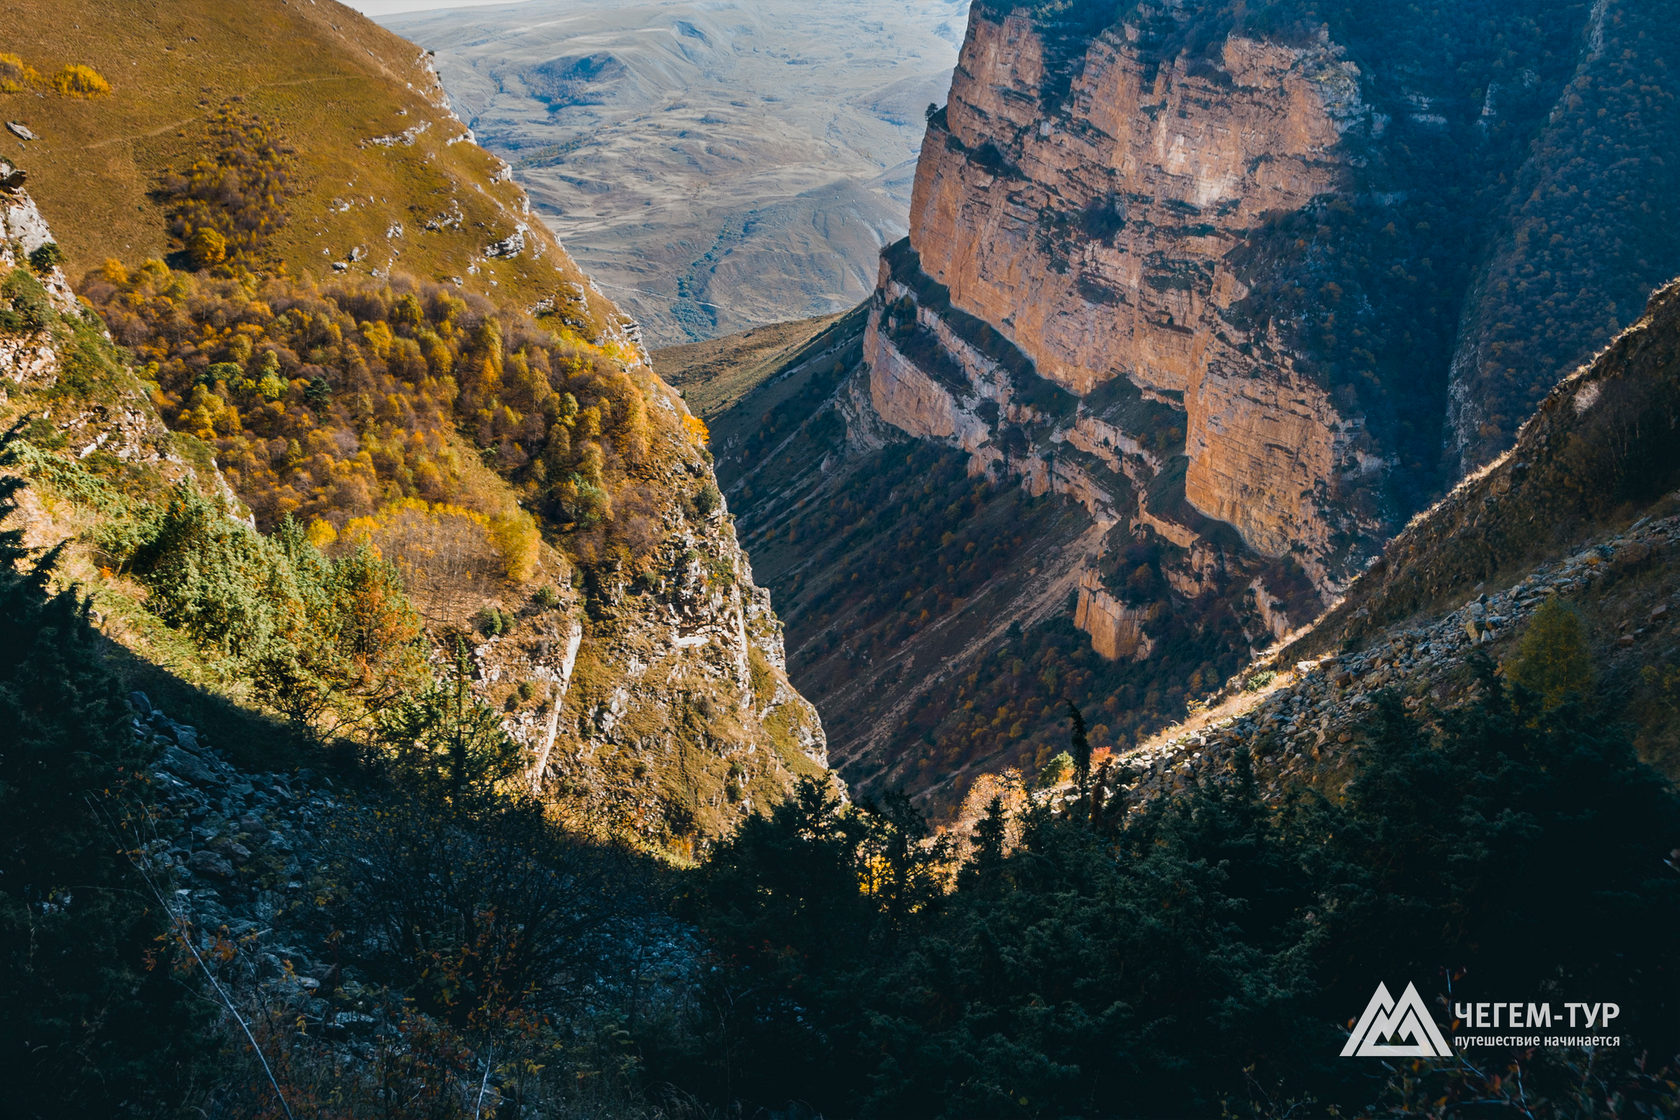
(714, 166)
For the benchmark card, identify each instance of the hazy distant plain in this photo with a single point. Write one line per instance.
(714, 164)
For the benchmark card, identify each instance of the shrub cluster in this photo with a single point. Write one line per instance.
(327, 642)
(77, 80)
(229, 202)
(73, 80)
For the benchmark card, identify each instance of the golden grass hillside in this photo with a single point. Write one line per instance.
(718, 373)
(384, 178)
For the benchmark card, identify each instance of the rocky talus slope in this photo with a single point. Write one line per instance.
(236, 851)
(276, 888)
(1298, 723)
(1207, 275)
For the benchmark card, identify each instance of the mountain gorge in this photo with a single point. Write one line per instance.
(1205, 302)
(1225, 585)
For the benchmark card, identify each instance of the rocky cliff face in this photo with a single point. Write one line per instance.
(662, 703)
(1223, 279)
(1110, 204)
(1094, 235)
(120, 424)
(1116, 628)
(23, 231)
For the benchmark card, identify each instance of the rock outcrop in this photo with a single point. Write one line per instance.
(23, 231)
(649, 693)
(120, 424)
(1116, 629)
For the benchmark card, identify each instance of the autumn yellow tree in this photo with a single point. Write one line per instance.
(77, 80)
(1554, 660)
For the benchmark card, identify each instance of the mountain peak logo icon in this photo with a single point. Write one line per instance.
(1407, 1022)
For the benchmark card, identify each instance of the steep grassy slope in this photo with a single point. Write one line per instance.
(357, 324)
(383, 169)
